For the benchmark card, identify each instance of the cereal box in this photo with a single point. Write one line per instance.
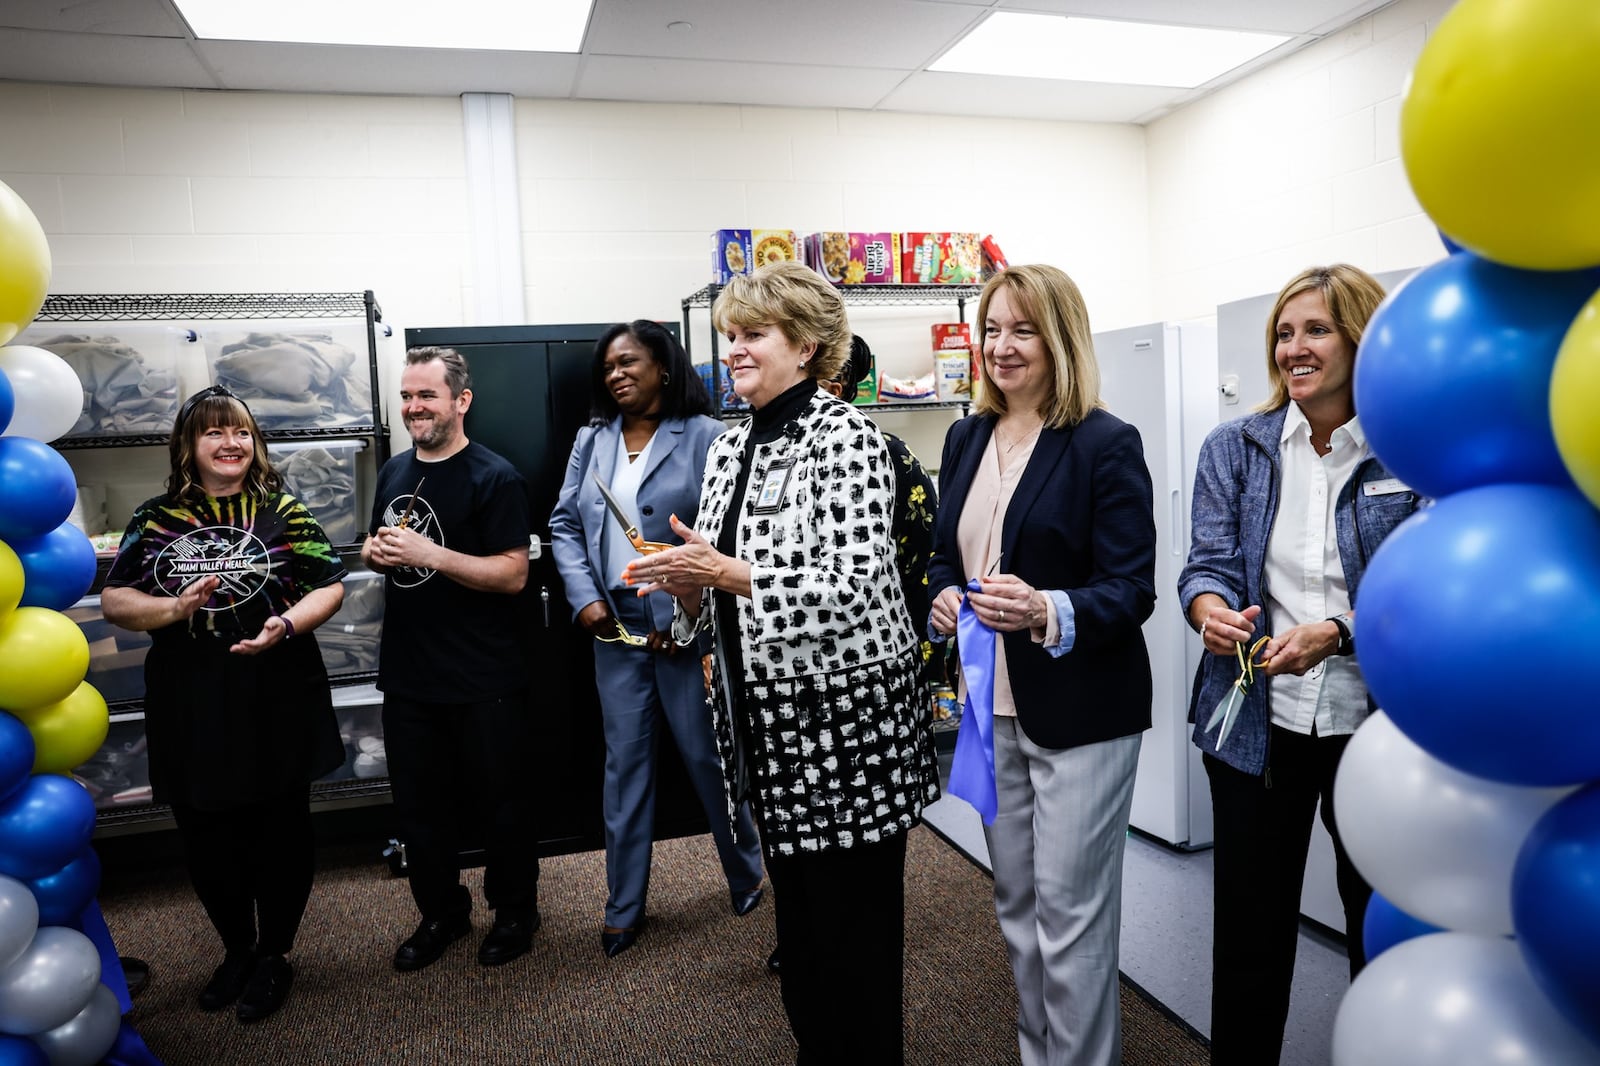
(855, 258)
(731, 255)
(773, 246)
(940, 258)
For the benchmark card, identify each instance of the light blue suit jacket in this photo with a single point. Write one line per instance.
(670, 486)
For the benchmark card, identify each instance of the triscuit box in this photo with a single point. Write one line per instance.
(730, 255)
(940, 258)
(855, 258)
(952, 375)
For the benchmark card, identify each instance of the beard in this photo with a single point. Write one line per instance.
(431, 432)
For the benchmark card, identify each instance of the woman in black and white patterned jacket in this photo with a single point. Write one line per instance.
(814, 679)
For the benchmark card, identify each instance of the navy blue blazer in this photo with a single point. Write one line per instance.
(1081, 521)
(670, 486)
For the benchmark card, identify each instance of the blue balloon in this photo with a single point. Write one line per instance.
(1453, 378)
(37, 489)
(57, 568)
(1450, 246)
(44, 826)
(1385, 926)
(63, 895)
(16, 754)
(8, 401)
(1555, 906)
(20, 1051)
(1478, 627)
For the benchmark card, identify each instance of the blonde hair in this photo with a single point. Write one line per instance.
(796, 299)
(1351, 295)
(1048, 299)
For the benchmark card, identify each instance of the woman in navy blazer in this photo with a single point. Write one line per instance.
(647, 440)
(1045, 499)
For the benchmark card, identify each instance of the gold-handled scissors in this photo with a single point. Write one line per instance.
(411, 503)
(629, 530)
(1227, 711)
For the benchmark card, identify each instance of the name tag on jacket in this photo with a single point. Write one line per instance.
(771, 494)
(1387, 487)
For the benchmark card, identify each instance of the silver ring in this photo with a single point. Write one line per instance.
(1203, 630)
(1002, 614)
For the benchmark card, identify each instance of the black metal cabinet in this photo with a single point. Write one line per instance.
(530, 388)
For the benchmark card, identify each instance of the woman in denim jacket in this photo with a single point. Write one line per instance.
(1289, 505)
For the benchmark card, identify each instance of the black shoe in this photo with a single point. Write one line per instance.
(268, 986)
(429, 941)
(511, 938)
(772, 962)
(228, 980)
(614, 941)
(745, 902)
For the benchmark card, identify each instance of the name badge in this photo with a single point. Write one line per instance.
(1387, 487)
(771, 494)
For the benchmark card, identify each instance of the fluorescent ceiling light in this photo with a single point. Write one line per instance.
(1080, 49)
(494, 25)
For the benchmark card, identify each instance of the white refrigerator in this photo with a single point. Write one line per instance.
(1162, 378)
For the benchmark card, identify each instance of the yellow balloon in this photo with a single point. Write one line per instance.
(24, 264)
(11, 579)
(43, 657)
(1500, 130)
(1575, 399)
(68, 732)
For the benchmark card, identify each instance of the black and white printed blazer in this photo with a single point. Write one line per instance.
(837, 739)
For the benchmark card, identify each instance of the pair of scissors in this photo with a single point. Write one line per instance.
(629, 529)
(1227, 711)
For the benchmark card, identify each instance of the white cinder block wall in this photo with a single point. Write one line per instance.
(1296, 165)
(183, 191)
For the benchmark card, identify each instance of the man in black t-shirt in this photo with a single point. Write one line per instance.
(450, 530)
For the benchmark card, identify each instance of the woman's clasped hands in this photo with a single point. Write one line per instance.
(1003, 602)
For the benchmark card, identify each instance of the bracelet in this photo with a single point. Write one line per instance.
(288, 626)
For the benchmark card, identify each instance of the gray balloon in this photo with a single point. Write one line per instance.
(19, 919)
(85, 1039)
(50, 983)
(1452, 998)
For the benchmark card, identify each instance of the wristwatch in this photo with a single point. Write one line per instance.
(1347, 644)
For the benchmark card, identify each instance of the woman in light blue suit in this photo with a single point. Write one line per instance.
(648, 434)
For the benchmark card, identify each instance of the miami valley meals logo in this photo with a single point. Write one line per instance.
(236, 556)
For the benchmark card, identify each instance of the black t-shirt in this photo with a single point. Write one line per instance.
(443, 642)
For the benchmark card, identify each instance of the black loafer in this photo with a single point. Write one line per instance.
(269, 985)
(228, 980)
(772, 962)
(615, 941)
(511, 938)
(745, 902)
(429, 941)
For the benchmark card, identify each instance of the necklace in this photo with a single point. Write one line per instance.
(634, 455)
(1012, 446)
(1320, 445)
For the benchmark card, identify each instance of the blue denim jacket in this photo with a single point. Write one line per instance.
(1235, 503)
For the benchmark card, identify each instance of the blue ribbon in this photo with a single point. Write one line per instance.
(972, 769)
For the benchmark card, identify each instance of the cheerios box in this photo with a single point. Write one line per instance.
(773, 246)
(730, 254)
(940, 258)
(855, 258)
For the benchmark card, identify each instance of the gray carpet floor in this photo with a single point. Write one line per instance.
(693, 991)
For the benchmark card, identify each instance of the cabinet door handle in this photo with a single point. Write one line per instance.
(544, 598)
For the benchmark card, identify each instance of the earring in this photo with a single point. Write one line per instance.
(666, 376)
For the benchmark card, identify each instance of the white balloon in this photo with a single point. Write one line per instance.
(49, 395)
(1449, 999)
(50, 983)
(19, 919)
(85, 1039)
(1437, 843)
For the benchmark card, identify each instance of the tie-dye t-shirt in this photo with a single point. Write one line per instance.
(267, 553)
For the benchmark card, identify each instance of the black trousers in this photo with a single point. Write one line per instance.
(840, 915)
(459, 771)
(1263, 832)
(252, 867)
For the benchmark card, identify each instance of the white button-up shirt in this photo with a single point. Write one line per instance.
(1305, 579)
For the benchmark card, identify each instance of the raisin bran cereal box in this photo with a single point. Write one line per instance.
(940, 258)
(731, 255)
(855, 258)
